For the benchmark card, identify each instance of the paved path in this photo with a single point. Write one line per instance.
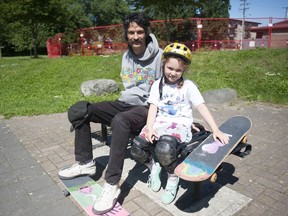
(33, 149)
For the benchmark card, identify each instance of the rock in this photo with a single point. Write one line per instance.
(98, 87)
(220, 96)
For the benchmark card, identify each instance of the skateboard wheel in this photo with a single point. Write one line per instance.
(244, 139)
(66, 193)
(213, 178)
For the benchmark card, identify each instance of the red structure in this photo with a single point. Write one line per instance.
(55, 48)
(197, 33)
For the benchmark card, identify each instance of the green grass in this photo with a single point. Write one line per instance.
(258, 75)
(45, 86)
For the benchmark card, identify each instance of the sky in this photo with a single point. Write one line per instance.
(259, 8)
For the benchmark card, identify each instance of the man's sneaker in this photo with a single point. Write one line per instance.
(170, 190)
(154, 178)
(107, 199)
(77, 170)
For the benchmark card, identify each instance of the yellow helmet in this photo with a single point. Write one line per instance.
(179, 50)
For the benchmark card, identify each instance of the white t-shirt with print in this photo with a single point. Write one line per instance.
(176, 104)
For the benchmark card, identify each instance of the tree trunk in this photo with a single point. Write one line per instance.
(35, 42)
(35, 50)
(167, 28)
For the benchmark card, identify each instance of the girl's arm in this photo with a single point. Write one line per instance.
(149, 135)
(207, 116)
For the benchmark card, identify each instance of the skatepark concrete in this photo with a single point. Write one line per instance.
(33, 149)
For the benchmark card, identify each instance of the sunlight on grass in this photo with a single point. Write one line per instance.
(44, 86)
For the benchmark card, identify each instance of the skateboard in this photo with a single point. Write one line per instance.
(204, 161)
(85, 191)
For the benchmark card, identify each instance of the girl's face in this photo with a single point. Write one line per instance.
(173, 70)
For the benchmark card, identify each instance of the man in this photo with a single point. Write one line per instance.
(141, 66)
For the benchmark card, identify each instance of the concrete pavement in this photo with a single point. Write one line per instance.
(33, 149)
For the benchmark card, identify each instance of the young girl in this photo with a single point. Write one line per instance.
(170, 113)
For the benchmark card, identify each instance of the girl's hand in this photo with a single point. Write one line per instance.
(221, 136)
(195, 128)
(150, 136)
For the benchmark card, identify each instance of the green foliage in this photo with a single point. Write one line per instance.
(109, 11)
(33, 21)
(215, 8)
(170, 9)
(27, 24)
(77, 15)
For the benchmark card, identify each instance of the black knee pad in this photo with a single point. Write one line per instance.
(166, 149)
(139, 150)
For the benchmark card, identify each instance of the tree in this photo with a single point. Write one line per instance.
(3, 35)
(214, 9)
(28, 23)
(171, 9)
(167, 10)
(109, 11)
(182, 8)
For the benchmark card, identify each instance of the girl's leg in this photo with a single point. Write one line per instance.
(154, 181)
(171, 189)
(141, 152)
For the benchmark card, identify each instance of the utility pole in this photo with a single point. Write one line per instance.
(286, 12)
(244, 8)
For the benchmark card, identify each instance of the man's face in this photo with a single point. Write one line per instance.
(136, 38)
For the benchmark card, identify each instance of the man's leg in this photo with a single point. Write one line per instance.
(102, 112)
(122, 125)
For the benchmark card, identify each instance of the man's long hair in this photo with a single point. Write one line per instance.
(138, 18)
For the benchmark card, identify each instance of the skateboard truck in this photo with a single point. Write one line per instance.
(242, 149)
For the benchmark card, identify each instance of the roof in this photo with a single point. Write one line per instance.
(278, 25)
(246, 21)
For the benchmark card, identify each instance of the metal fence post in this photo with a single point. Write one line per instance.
(199, 27)
(270, 32)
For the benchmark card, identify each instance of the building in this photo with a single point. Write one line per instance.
(235, 29)
(275, 35)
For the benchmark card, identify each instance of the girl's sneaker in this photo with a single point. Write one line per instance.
(170, 190)
(154, 178)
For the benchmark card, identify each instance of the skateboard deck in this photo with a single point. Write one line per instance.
(201, 163)
(85, 191)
